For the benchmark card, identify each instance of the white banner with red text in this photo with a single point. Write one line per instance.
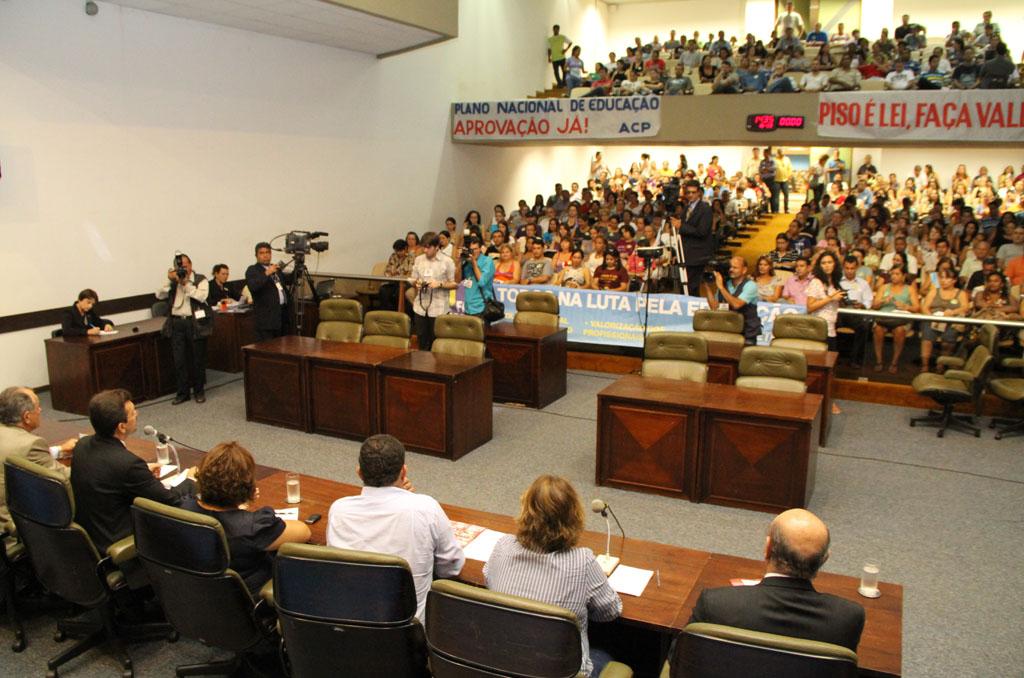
(561, 119)
(947, 115)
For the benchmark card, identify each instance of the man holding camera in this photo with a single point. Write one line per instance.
(432, 276)
(189, 323)
(477, 277)
(266, 282)
(740, 293)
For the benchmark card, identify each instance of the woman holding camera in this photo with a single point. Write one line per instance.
(824, 293)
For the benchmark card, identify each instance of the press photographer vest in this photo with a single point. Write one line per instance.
(201, 327)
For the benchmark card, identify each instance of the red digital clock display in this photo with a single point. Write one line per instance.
(768, 122)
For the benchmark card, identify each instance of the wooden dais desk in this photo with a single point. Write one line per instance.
(437, 403)
(137, 358)
(713, 443)
(529, 363)
(231, 331)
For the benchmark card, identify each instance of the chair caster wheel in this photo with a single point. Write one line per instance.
(942, 433)
(59, 636)
(18, 645)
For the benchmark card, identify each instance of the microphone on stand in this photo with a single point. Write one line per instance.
(165, 440)
(153, 433)
(607, 561)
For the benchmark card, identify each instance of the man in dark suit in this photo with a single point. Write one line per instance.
(785, 601)
(106, 477)
(266, 282)
(695, 232)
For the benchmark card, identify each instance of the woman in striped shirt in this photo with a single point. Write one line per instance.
(541, 561)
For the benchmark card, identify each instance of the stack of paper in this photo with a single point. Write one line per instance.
(287, 513)
(465, 532)
(481, 546)
(175, 480)
(630, 580)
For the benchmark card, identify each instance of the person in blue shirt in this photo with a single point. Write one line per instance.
(477, 277)
(740, 293)
(817, 35)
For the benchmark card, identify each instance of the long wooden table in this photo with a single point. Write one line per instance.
(715, 443)
(529, 363)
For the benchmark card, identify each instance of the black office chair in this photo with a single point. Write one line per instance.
(185, 555)
(159, 309)
(12, 552)
(67, 564)
(347, 613)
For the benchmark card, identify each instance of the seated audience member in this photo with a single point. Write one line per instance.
(611, 275)
(691, 58)
(858, 295)
(536, 268)
(785, 602)
(399, 265)
(993, 302)
(750, 75)
(972, 261)
(999, 72)
(896, 295)
(799, 61)
(388, 517)
(944, 299)
(769, 283)
(899, 247)
(726, 81)
(19, 417)
(779, 82)
(576, 274)
(707, 71)
(106, 477)
(817, 36)
(739, 292)
(80, 320)
(221, 290)
(596, 256)
(816, 80)
(783, 257)
(678, 82)
(226, 482)
(507, 269)
(1014, 271)
(795, 289)
(845, 78)
(652, 81)
(824, 293)
(574, 69)
(1009, 251)
(840, 37)
(932, 77)
(979, 277)
(542, 561)
(900, 77)
(967, 74)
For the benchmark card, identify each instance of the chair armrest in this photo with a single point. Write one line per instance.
(122, 551)
(950, 361)
(1013, 362)
(267, 593)
(616, 670)
(959, 375)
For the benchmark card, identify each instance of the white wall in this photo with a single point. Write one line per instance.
(645, 19)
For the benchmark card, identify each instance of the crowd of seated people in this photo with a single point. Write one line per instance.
(797, 58)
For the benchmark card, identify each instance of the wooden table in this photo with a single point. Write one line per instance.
(437, 403)
(723, 368)
(711, 443)
(231, 331)
(137, 358)
(529, 363)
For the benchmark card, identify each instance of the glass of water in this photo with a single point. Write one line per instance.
(291, 484)
(869, 580)
(163, 454)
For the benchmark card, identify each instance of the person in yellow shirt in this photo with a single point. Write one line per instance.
(783, 173)
(557, 46)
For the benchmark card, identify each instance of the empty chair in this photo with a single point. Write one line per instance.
(717, 651)
(1011, 390)
(158, 309)
(776, 369)
(725, 326)
(347, 613)
(676, 355)
(387, 328)
(185, 555)
(536, 308)
(951, 388)
(459, 335)
(802, 332)
(369, 289)
(340, 320)
(476, 632)
(986, 336)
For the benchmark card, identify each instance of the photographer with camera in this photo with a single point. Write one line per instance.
(432, 276)
(266, 282)
(477, 276)
(189, 323)
(739, 292)
(694, 230)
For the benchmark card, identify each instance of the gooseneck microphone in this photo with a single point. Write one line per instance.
(607, 561)
(153, 433)
(164, 439)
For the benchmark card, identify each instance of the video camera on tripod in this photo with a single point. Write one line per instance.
(300, 243)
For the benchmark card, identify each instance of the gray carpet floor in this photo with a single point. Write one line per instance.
(943, 517)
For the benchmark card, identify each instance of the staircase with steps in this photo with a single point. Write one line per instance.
(550, 93)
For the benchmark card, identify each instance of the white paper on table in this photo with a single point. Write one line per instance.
(287, 513)
(164, 471)
(175, 480)
(107, 333)
(744, 582)
(480, 548)
(630, 580)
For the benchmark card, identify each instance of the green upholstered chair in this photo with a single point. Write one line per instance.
(459, 335)
(987, 336)
(802, 332)
(725, 326)
(776, 369)
(676, 355)
(186, 556)
(347, 613)
(717, 651)
(951, 388)
(387, 328)
(340, 320)
(1010, 389)
(536, 308)
(475, 632)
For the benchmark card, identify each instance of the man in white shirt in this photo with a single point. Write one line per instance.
(790, 19)
(432, 276)
(816, 80)
(753, 165)
(899, 245)
(839, 37)
(900, 77)
(858, 295)
(387, 517)
(986, 18)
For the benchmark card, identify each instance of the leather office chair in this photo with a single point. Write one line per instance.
(340, 320)
(12, 553)
(802, 332)
(676, 355)
(186, 556)
(475, 632)
(725, 326)
(66, 562)
(347, 613)
(951, 388)
(387, 328)
(776, 369)
(716, 651)
(159, 309)
(536, 308)
(987, 336)
(459, 335)
(1011, 390)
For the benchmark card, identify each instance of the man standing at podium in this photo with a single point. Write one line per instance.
(266, 282)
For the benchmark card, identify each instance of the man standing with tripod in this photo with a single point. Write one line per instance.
(266, 282)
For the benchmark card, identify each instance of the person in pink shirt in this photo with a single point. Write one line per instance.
(795, 289)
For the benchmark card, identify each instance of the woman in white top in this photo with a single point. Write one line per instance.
(824, 293)
(596, 258)
(769, 285)
(576, 274)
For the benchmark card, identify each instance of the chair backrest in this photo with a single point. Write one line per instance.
(676, 355)
(716, 651)
(159, 309)
(979, 359)
(63, 556)
(724, 326)
(459, 335)
(799, 331)
(186, 556)
(340, 320)
(536, 308)
(475, 632)
(987, 336)
(350, 613)
(324, 289)
(777, 369)
(387, 328)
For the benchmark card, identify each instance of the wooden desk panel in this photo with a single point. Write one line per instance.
(529, 363)
(275, 384)
(231, 331)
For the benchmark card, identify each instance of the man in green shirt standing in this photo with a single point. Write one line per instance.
(557, 46)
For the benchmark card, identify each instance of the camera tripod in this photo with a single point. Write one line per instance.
(300, 276)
